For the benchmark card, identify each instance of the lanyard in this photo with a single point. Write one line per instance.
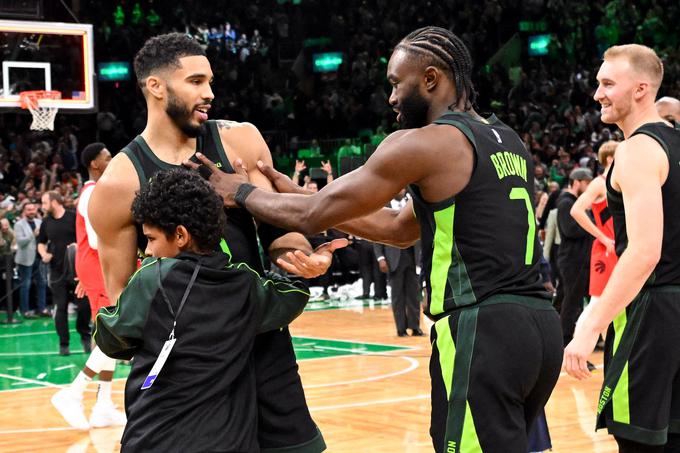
(184, 297)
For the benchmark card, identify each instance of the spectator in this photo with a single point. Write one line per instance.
(28, 263)
(400, 265)
(669, 109)
(328, 169)
(7, 246)
(369, 271)
(299, 168)
(57, 232)
(574, 253)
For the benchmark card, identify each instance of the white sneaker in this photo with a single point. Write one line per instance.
(106, 414)
(71, 408)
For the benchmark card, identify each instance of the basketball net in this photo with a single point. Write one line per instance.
(43, 114)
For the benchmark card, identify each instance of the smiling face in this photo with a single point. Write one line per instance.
(189, 94)
(405, 74)
(616, 89)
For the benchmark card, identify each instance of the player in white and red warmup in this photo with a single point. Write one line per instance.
(69, 401)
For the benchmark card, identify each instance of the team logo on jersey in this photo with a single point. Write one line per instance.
(600, 266)
(498, 137)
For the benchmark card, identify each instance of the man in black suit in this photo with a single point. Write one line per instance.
(369, 272)
(400, 265)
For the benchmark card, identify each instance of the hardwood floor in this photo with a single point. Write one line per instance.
(363, 401)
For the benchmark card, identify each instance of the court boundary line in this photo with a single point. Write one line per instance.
(401, 348)
(28, 334)
(414, 364)
(352, 353)
(30, 381)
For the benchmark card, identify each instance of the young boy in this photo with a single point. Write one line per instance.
(189, 318)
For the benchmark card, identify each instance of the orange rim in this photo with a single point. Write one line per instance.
(29, 99)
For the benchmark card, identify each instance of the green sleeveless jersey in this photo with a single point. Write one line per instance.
(667, 270)
(483, 241)
(240, 235)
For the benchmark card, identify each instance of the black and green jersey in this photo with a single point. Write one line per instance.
(483, 241)
(240, 233)
(207, 388)
(667, 271)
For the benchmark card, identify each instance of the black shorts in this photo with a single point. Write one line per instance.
(640, 398)
(284, 422)
(493, 368)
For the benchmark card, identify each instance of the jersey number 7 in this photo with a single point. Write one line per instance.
(520, 193)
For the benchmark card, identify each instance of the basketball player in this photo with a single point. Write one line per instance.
(175, 78)
(640, 399)
(69, 401)
(669, 109)
(602, 255)
(497, 343)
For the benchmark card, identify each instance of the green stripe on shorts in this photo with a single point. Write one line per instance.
(447, 352)
(461, 434)
(620, 400)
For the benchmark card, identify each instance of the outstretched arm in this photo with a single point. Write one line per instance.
(398, 228)
(289, 250)
(361, 192)
(595, 190)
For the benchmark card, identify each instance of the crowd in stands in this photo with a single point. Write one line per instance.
(260, 52)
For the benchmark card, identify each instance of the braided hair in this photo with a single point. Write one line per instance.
(444, 50)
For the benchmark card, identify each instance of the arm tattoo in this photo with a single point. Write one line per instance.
(226, 124)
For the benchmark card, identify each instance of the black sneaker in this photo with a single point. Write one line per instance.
(87, 345)
(64, 350)
(45, 314)
(417, 333)
(401, 333)
(29, 315)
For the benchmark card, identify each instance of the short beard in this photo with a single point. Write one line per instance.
(414, 110)
(181, 116)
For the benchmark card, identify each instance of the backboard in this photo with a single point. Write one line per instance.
(47, 56)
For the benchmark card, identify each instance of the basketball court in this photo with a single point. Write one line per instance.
(368, 389)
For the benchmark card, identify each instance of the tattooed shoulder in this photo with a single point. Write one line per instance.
(226, 124)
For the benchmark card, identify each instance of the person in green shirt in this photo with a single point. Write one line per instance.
(189, 318)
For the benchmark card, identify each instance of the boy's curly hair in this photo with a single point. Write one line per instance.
(182, 197)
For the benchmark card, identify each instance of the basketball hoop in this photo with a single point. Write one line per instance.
(43, 113)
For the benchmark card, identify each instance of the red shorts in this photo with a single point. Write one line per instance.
(98, 299)
(601, 267)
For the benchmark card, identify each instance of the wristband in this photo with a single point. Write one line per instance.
(242, 193)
